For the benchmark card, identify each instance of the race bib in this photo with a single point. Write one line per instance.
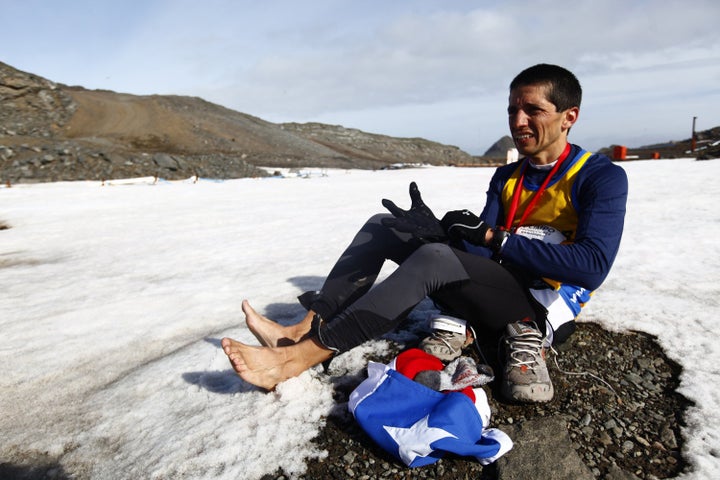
(545, 233)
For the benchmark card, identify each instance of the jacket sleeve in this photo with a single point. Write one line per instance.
(600, 198)
(493, 213)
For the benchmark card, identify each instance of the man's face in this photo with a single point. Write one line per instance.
(537, 128)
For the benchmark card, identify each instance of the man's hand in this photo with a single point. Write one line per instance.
(418, 221)
(465, 225)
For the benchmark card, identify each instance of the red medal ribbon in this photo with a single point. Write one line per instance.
(536, 196)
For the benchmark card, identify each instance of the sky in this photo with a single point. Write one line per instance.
(114, 300)
(408, 68)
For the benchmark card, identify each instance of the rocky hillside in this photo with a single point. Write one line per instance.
(499, 149)
(50, 132)
(375, 150)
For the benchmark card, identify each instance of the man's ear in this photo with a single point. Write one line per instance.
(571, 116)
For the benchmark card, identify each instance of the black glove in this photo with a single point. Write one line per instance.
(465, 225)
(419, 221)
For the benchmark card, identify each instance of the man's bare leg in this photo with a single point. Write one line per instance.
(272, 334)
(267, 366)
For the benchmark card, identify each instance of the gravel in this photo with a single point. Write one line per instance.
(620, 405)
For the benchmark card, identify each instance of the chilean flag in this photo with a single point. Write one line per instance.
(419, 425)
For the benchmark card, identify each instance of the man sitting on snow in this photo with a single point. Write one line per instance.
(546, 238)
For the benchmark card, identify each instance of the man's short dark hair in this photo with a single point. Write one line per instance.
(564, 90)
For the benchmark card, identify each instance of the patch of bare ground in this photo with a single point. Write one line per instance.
(627, 426)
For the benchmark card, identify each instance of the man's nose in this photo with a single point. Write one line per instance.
(518, 119)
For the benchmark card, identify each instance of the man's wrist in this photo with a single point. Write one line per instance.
(497, 239)
(488, 236)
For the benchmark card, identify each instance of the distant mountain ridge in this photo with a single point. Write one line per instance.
(51, 132)
(499, 149)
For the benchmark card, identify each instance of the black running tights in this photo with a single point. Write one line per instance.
(471, 287)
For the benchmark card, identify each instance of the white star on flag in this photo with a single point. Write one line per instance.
(415, 441)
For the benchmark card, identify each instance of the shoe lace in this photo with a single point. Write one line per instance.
(443, 336)
(585, 373)
(525, 349)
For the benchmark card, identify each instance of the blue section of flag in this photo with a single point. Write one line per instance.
(419, 425)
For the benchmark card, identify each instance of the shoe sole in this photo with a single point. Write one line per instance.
(534, 393)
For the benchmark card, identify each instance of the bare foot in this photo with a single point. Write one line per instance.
(265, 367)
(261, 366)
(272, 334)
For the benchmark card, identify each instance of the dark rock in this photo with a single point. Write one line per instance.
(543, 449)
(616, 473)
(164, 160)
